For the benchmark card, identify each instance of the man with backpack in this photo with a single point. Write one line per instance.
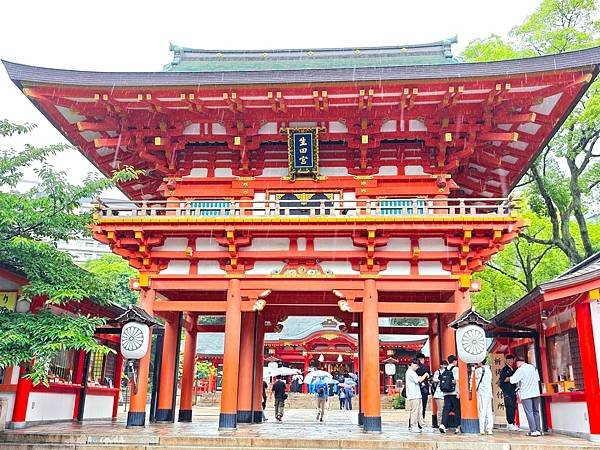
(278, 390)
(321, 394)
(438, 395)
(449, 387)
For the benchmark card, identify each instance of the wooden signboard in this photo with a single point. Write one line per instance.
(498, 401)
(8, 300)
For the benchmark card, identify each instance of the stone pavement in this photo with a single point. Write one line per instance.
(299, 429)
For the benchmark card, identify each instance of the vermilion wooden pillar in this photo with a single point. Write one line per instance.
(189, 373)
(19, 416)
(468, 406)
(164, 407)
(306, 367)
(231, 355)
(589, 365)
(117, 384)
(448, 336)
(361, 412)
(370, 387)
(247, 359)
(136, 417)
(258, 380)
(78, 379)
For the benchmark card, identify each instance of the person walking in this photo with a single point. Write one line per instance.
(509, 392)
(342, 397)
(321, 396)
(264, 400)
(278, 390)
(449, 387)
(527, 378)
(349, 395)
(483, 377)
(438, 395)
(414, 399)
(422, 370)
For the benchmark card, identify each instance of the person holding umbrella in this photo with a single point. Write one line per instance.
(321, 396)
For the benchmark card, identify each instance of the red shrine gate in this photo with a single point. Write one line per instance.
(387, 192)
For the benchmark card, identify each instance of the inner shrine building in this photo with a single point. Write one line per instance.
(354, 183)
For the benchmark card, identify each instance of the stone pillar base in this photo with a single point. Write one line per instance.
(136, 419)
(185, 415)
(360, 419)
(372, 424)
(244, 416)
(469, 426)
(227, 421)
(164, 415)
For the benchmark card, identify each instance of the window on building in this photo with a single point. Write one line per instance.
(564, 361)
(2, 374)
(102, 369)
(61, 367)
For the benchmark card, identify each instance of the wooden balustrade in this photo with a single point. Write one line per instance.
(272, 208)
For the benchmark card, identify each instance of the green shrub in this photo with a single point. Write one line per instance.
(399, 402)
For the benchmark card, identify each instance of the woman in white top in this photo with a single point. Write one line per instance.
(483, 378)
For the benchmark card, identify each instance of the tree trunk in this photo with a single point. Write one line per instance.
(567, 241)
(577, 209)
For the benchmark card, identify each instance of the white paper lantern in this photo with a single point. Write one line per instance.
(22, 306)
(471, 344)
(390, 369)
(134, 340)
(273, 365)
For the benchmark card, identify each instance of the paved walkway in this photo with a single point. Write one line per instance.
(299, 429)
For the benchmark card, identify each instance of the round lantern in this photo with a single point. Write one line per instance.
(471, 344)
(273, 365)
(22, 306)
(134, 340)
(390, 369)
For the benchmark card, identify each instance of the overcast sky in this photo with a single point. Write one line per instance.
(134, 36)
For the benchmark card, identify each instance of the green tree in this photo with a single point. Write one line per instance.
(33, 339)
(30, 222)
(564, 178)
(116, 272)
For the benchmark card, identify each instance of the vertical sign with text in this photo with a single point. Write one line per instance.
(498, 401)
(303, 152)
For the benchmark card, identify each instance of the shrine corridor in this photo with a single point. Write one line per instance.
(298, 430)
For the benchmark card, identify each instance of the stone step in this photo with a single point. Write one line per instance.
(35, 441)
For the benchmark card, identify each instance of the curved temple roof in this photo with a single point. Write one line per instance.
(21, 73)
(482, 123)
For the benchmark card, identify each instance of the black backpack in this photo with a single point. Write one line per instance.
(447, 382)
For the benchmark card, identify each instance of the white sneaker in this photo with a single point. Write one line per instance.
(536, 433)
(414, 430)
(490, 432)
(442, 428)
